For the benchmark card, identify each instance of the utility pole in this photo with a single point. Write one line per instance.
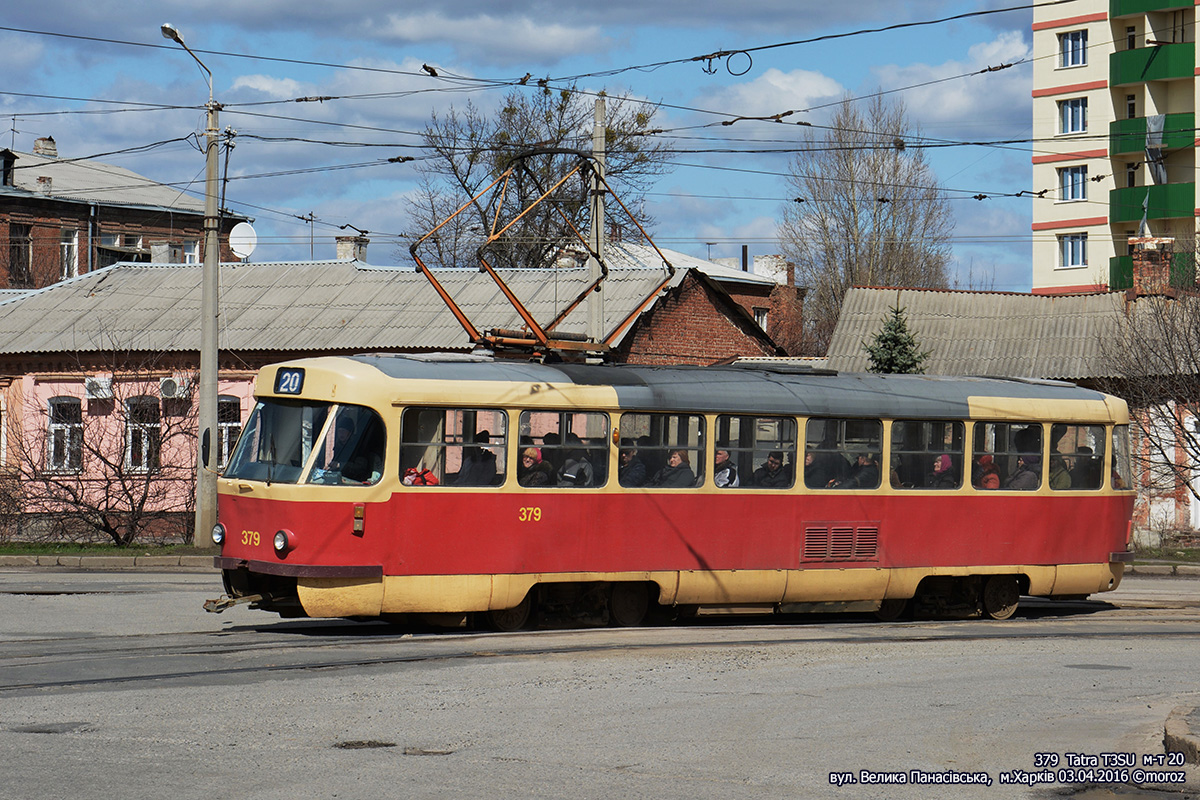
(206, 399)
(595, 329)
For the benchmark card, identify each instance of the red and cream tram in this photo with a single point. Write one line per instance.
(443, 486)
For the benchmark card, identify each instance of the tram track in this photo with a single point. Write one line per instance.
(170, 659)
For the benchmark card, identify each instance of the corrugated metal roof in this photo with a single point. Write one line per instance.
(87, 180)
(621, 255)
(297, 306)
(985, 333)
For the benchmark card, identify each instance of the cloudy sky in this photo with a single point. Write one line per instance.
(100, 79)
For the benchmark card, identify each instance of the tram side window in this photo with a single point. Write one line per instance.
(352, 449)
(670, 446)
(1007, 455)
(1122, 468)
(1076, 456)
(279, 437)
(453, 446)
(842, 453)
(563, 448)
(927, 454)
(760, 452)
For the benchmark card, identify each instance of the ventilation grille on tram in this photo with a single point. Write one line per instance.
(841, 542)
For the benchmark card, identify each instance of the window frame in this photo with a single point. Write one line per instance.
(666, 427)
(1070, 247)
(1072, 116)
(143, 437)
(749, 450)
(1005, 458)
(1072, 183)
(1073, 49)
(72, 437)
(456, 440)
(928, 454)
(596, 447)
(1070, 458)
(227, 431)
(843, 447)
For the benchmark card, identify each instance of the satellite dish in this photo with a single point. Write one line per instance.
(242, 240)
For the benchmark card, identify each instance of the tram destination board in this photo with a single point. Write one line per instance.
(289, 381)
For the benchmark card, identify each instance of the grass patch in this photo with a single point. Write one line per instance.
(1189, 555)
(72, 549)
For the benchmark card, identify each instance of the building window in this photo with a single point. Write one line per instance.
(1072, 46)
(1131, 106)
(20, 256)
(67, 245)
(1072, 250)
(143, 434)
(1072, 183)
(1131, 38)
(1072, 115)
(229, 427)
(64, 441)
(1131, 173)
(760, 317)
(191, 252)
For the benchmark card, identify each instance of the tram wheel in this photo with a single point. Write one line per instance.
(892, 609)
(1000, 596)
(506, 620)
(628, 604)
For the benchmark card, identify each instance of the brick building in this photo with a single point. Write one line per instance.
(60, 218)
(695, 322)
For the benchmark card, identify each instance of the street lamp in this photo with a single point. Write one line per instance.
(206, 477)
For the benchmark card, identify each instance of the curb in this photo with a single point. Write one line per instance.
(110, 562)
(1178, 736)
(1175, 570)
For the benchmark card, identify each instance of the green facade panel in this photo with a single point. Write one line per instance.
(1169, 201)
(1120, 272)
(1128, 8)
(1127, 136)
(1162, 63)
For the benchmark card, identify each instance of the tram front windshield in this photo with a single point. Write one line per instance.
(277, 440)
(345, 444)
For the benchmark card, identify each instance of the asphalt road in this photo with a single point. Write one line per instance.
(118, 685)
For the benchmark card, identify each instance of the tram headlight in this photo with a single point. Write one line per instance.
(284, 541)
(218, 534)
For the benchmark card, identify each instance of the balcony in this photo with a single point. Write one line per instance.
(1164, 62)
(1126, 136)
(1168, 201)
(1129, 8)
(1120, 272)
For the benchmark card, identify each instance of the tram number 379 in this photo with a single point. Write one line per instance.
(529, 514)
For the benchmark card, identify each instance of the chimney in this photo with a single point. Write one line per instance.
(1152, 257)
(745, 258)
(8, 160)
(45, 146)
(352, 248)
(44, 183)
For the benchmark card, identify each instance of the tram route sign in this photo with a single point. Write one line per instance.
(289, 381)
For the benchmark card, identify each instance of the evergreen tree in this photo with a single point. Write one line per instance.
(895, 350)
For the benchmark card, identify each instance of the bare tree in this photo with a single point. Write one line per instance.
(113, 463)
(1151, 358)
(469, 149)
(868, 211)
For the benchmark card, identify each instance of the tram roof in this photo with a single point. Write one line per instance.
(749, 388)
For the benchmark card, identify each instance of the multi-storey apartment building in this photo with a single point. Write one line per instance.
(1114, 100)
(64, 217)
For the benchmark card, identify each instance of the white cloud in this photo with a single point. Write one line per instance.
(774, 92)
(992, 104)
(278, 88)
(495, 39)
